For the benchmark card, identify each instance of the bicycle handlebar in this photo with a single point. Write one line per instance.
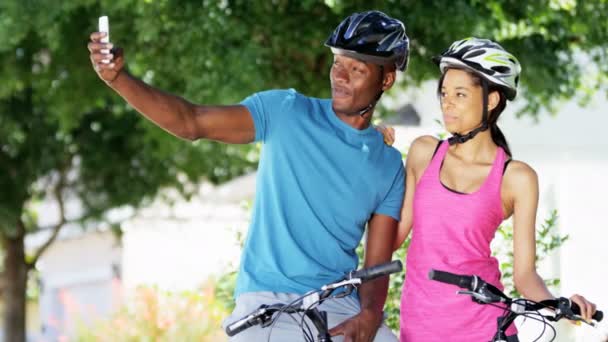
(377, 271)
(463, 281)
(487, 293)
(264, 314)
(597, 316)
(481, 291)
(243, 323)
(568, 308)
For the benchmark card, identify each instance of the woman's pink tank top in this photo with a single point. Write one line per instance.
(451, 232)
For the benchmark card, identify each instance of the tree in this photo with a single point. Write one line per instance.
(65, 136)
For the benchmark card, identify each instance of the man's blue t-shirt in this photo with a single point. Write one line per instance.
(319, 181)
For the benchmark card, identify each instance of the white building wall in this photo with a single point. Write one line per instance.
(181, 247)
(79, 283)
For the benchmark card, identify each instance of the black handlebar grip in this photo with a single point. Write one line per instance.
(240, 325)
(597, 316)
(377, 271)
(463, 281)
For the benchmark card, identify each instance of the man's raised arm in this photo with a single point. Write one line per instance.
(229, 124)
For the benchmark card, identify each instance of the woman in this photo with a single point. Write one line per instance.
(458, 193)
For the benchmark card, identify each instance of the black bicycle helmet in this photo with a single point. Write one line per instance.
(371, 36)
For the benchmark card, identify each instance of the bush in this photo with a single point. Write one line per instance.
(157, 315)
(547, 241)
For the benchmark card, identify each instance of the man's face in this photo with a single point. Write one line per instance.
(354, 84)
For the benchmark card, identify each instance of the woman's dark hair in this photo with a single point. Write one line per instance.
(492, 120)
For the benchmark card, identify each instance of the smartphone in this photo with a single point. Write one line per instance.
(104, 26)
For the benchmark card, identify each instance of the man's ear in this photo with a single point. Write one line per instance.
(389, 79)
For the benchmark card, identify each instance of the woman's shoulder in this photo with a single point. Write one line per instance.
(519, 173)
(421, 150)
(423, 144)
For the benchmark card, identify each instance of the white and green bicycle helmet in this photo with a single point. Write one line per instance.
(486, 58)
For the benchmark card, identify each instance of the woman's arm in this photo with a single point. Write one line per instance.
(522, 182)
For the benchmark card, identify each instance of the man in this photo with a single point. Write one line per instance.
(324, 173)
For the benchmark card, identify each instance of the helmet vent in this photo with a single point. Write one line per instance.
(501, 69)
(371, 36)
(476, 53)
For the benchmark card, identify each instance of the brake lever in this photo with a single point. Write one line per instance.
(481, 298)
(348, 290)
(345, 282)
(576, 318)
(264, 316)
(564, 310)
(348, 284)
(579, 318)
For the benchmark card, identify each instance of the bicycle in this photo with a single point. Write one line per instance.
(482, 292)
(307, 304)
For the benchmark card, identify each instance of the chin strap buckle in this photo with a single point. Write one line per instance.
(458, 138)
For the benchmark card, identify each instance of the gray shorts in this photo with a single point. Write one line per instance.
(286, 329)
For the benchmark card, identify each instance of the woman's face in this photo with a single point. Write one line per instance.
(461, 102)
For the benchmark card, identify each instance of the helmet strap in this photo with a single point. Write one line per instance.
(371, 105)
(377, 98)
(458, 138)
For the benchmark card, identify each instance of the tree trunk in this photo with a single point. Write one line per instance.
(15, 270)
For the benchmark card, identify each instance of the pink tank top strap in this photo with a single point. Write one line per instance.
(437, 160)
(494, 180)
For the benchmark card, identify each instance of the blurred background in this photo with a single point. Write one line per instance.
(112, 229)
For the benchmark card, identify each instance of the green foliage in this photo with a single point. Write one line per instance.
(224, 290)
(58, 118)
(393, 300)
(156, 315)
(288, 52)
